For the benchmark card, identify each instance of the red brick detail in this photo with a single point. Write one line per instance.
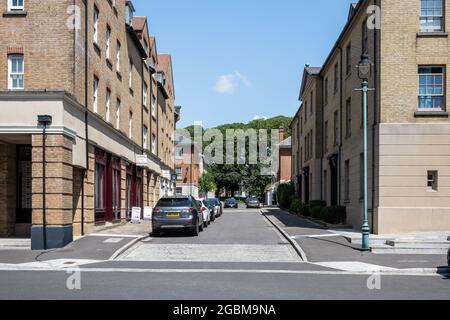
(14, 50)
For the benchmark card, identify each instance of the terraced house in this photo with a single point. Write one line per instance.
(409, 126)
(87, 118)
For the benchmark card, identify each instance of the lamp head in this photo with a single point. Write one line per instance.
(364, 67)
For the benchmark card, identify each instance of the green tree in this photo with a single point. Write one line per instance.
(207, 183)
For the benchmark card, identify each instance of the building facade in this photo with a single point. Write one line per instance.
(189, 166)
(95, 72)
(408, 122)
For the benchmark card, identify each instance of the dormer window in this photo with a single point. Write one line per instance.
(129, 12)
(16, 5)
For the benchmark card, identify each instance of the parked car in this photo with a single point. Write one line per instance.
(177, 213)
(206, 213)
(231, 203)
(253, 202)
(215, 207)
(448, 258)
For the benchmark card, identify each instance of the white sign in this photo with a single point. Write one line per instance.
(136, 215)
(141, 160)
(148, 212)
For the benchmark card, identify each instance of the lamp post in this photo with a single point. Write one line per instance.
(45, 121)
(364, 72)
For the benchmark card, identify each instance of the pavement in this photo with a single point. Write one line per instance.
(326, 247)
(240, 256)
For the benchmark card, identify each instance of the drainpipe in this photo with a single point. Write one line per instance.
(142, 133)
(86, 113)
(375, 118)
(339, 161)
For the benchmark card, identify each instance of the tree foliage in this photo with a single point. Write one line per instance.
(232, 178)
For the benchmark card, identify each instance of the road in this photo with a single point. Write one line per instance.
(240, 256)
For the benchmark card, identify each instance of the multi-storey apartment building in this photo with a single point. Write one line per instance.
(92, 67)
(409, 126)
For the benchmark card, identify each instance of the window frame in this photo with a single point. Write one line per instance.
(11, 74)
(432, 17)
(444, 88)
(348, 118)
(12, 7)
(96, 17)
(96, 83)
(108, 105)
(348, 59)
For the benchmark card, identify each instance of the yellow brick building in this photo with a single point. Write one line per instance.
(409, 127)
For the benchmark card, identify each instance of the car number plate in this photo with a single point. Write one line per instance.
(173, 214)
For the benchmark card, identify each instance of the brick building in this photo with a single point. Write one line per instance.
(189, 166)
(109, 146)
(409, 127)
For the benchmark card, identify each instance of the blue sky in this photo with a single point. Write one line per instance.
(235, 60)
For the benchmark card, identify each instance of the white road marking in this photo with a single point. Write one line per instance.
(113, 235)
(56, 264)
(113, 240)
(327, 235)
(409, 272)
(355, 266)
(211, 253)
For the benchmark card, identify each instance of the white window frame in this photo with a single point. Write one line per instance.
(108, 105)
(153, 105)
(431, 16)
(108, 42)
(118, 107)
(118, 48)
(153, 144)
(15, 74)
(95, 95)
(130, 125)
(12, 7)
(145, 137)
(433, 95)
(145, 93)
(130, 73)
(96, 18)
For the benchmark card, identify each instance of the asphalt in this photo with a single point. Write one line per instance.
(240, 256)
(215, 286)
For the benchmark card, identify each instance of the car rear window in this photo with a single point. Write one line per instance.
(174, 202)
(211, 202)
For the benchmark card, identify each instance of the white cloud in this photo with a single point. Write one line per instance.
(228, 83)
(225, 84)
(257, 117)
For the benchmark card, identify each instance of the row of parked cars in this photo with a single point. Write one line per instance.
(185, 213)
(251, 202)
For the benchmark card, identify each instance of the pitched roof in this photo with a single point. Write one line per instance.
(139, 23)
(286, 143)
(164, 60)
(308, 71)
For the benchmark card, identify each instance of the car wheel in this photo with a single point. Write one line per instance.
(156, 233)
(448, 258)
(200, 225)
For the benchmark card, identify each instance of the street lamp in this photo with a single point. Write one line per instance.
(45, 121)
(364, 73)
